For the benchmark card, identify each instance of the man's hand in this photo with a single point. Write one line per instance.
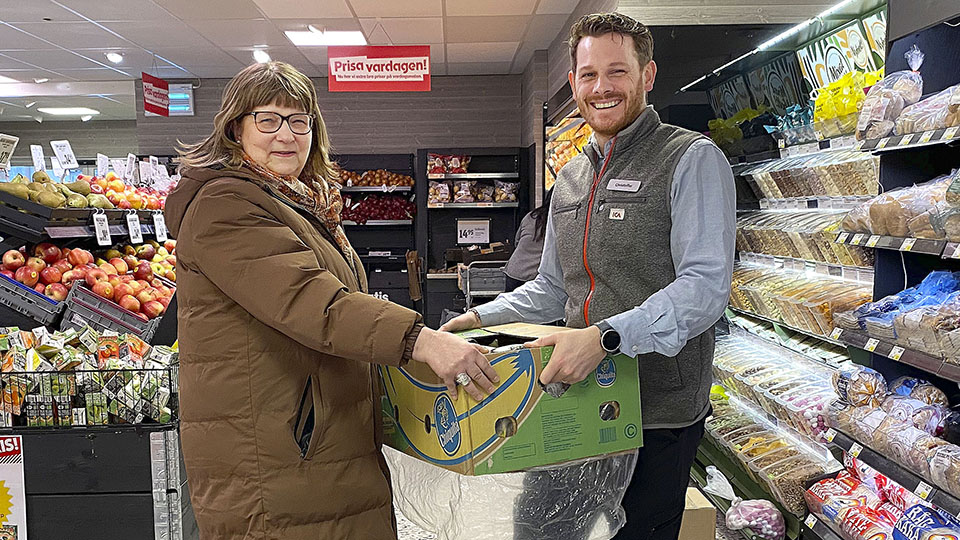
(467, 321)
(448, 355)
(576, 354)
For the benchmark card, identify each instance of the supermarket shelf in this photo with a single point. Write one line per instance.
(912, 140)
(897, 472)
(896, 243)
(375, 189)
(787, 326)
(810, 203)
(951, 251)
(796, 150)
(442, 276)
(379, 222)
(856, 273)
(775, 338)
(917, 359)
(819, 529)
(474, 205)
(474, 176)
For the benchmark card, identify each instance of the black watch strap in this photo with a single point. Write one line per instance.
(609, 338)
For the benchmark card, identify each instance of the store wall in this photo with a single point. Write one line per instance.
(558, 55)
(459, 111)
(116, 138)
(533, 88)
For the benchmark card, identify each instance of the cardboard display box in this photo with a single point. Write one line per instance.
(699, 517)
(519, 426)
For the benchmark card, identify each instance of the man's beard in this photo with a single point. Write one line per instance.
(637, 105)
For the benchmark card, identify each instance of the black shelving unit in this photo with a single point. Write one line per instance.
(436, 227)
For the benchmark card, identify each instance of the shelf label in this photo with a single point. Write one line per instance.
(8, 143)
(859, 146)
(927, 135)
(906, 140)
(764, 204)
(907, 244)
(883, 142)
(950, 133)
(36, 152)
(473, 231)
(850, 273)
(837, 332)
(781, 143)
(119, 168)
(819, 135)
(872, 241)
(842, 238)
(102, 229)
(811, 521)
(830, 435)
(871, 344)
(159, 227)
(57, 168)
(379, 254)
(856, 239)
(923, 490)
(64, 153)
(855, 449)
(131, 168)
(103, 165)
(896, 352)
(956, 253)
(133, 225)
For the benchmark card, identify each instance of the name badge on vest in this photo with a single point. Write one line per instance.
(619, 184)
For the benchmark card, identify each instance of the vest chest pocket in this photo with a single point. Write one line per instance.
(621, 202)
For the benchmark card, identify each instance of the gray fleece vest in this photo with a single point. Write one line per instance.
(628, 256)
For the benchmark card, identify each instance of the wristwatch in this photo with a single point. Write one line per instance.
(609, 338)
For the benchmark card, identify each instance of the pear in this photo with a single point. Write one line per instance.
(41, 176)
(17, 190)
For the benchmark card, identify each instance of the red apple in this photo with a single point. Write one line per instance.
(170, 245)
(147, 295)
(135, 285)
(146, 252)
(7, 273)
(47, 251)
(96, 276)
(78, 257)
(113, 280)
(156, 283)
(36, 263)
(70, 276)
(128, 302)
(165, 301)
(104, 289)
(26, 275)
(152, 309)
(124, 289)
(171, 275)
(171, 259)
(126, 278)
(109, 269)
(124, 204)
(57, 291)
(132, 262)
(143, 272)
(13, 259)
(50, 275)
(163, 290)
(142, 317)
(129, 250)
(39, 287)
(63, 265)
(120, 265)
(96, 188)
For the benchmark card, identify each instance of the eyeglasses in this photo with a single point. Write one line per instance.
(270, 122)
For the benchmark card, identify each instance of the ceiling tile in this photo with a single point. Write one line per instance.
(438, 54)
(397, 8)
(16, 39)
(190, 56)
(118, 10)
(412, 31)
(457, 8)
(150, 36)
(73, 35)
(27, 75)
(100, 74)
(7, 63)
(292, 9)
(478, 29)
(481, 52)
(134, 59)
(317, 56)
(523, 56)
(544, 29)
(557, 7)
(323, 24)
(478, 68)
(52, 59)
(290, 55)
(377, 36)
(211, 9)
(234, 33)
(35, 11)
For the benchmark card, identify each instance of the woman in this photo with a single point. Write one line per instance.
(525, 261)
(279, 411)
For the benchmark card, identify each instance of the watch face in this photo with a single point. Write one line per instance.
(611, 341)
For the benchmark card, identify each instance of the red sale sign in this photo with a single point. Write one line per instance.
(379, 69)
(156, 95)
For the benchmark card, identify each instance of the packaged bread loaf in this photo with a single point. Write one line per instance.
(887, 99)
(942, 110)
(859, 385)
(919, 389)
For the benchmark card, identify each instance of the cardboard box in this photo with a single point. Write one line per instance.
(699, 517)
(518, 426)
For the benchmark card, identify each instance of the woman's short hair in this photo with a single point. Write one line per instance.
(256, 86)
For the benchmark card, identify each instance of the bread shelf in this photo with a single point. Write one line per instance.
(925, 246)
(376, 189)
(931, 364)
(379, 223)
(910, 140)
(787, 326)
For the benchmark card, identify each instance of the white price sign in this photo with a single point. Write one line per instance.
(855, 449)
(906, 140)
(130, 168)
(119, 167)
(871, 344)
(473, 231)
(57, 168)
(146, 173)
(883, 142)
(837, 332)
(927, 135)
(811, 521)
(872, 241)
(956, 252)
(950, 133)
(36, 152)
(159, 227)
(7, 145)
(64, 153)
(856, 239)
(103, 165)
(102, 229)
(830, 434)
(842, 237)
(907, 244)
(133, 225)
(896, 352)
(923, 490)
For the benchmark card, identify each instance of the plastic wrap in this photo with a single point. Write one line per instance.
(859, 385)
(887, 99)
(759, 515)
(505, 191)
(579, 499)
(463, 191)
(944, 464)
(926, 523)
(440, 192)
(919, 389)
(939, 111)
(929, 418)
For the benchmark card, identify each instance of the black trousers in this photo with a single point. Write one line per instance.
(654, 500)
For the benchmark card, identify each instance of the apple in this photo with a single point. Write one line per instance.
(78, 257)
(165, 300)
(108, 268)
(13, 259)
(125, 278)
(136, 200)
(152, 309)
(171, 275)
(162, 251)
(170, 245)
(147, 295)
(116, 185)
(146, 252)
(128, 302)
(119, 265)
(142, 317)
(171, 260)
(158, 269)
(56, 291)
(110, 176)
(96, 276)
(40, 288)
(143, 271)
(26, 275)
(7, 273)
(136, 286)
(124, 205)
(36, 263)
(124, 289)
(96, 188)
(50, 275)
(114, 280)
(112, 254)
(104, 289)
(153, 203)
(101, 182)
(70, 276)
(63, 265)
(47, 251)
(163, 290)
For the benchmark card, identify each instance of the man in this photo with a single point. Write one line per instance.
(638, 257)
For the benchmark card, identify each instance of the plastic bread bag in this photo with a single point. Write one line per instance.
(939, 111)
(759, 515)
(579, 499)
(925, 523)
(857, 220)
(859, 385)
(919, 389)
(944, 464)
(887, 99)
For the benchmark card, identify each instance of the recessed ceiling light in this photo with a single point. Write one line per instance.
(41, 80)
(314, 38)
(7, 80)
(114, 57)
(68, 111)
(31, 104)
(39, 119)
(261, 56)
(85, 117)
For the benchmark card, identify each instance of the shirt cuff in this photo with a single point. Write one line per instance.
(491, 314)
(409, 343)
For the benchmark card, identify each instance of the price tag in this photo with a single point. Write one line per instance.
(856, 239)
(811, 521)
(159, 227)
(830, 434)
(131, 167)
(906, 140)
(872, 241)
(764, 204)
(883, 142)
(842, 238)
(907, 244)
(146, 173)
(819, 135)
(57, 168)
(950, 133)
(927, 135)
(7, 145)
(850, 273)
(923, 490)
(855, 449)
(102, 229)
(956, 253)
(36, 152)
(837, 332)
(859, 145)
(103, 165)
(379, 253)
(781, 143)
(119, 167)
(896, 352)
(65, 154)
(871, 344)
(133, 225)
(473, 231)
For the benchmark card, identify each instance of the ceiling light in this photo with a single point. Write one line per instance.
(85, 117)
(41, 80)
(68, 111)
(114, 57)
(314, 29)
(39, 119)
(261, 56)
(31, 104)
(314, 38)
(7, 80)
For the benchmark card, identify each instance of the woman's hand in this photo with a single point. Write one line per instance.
(448, 355)
(467, 321)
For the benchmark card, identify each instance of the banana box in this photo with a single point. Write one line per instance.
(520, 425)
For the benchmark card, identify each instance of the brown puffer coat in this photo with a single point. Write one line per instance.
(279, 421)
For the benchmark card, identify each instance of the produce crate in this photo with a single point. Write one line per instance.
(29, 302)
(84, 308)
(27, 220)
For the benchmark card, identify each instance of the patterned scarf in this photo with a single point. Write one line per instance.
(314, 195)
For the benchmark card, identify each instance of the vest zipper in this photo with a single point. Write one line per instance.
(586, 232)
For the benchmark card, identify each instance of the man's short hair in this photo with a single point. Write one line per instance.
(601, 24)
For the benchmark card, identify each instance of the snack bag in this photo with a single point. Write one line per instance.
(505, 191)
(759, 515)
(939, 111)
(108, 350)
(919, 389)
(436, 164)
(921, 523)
(887, 99)
(463, 191)
(866, 523)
